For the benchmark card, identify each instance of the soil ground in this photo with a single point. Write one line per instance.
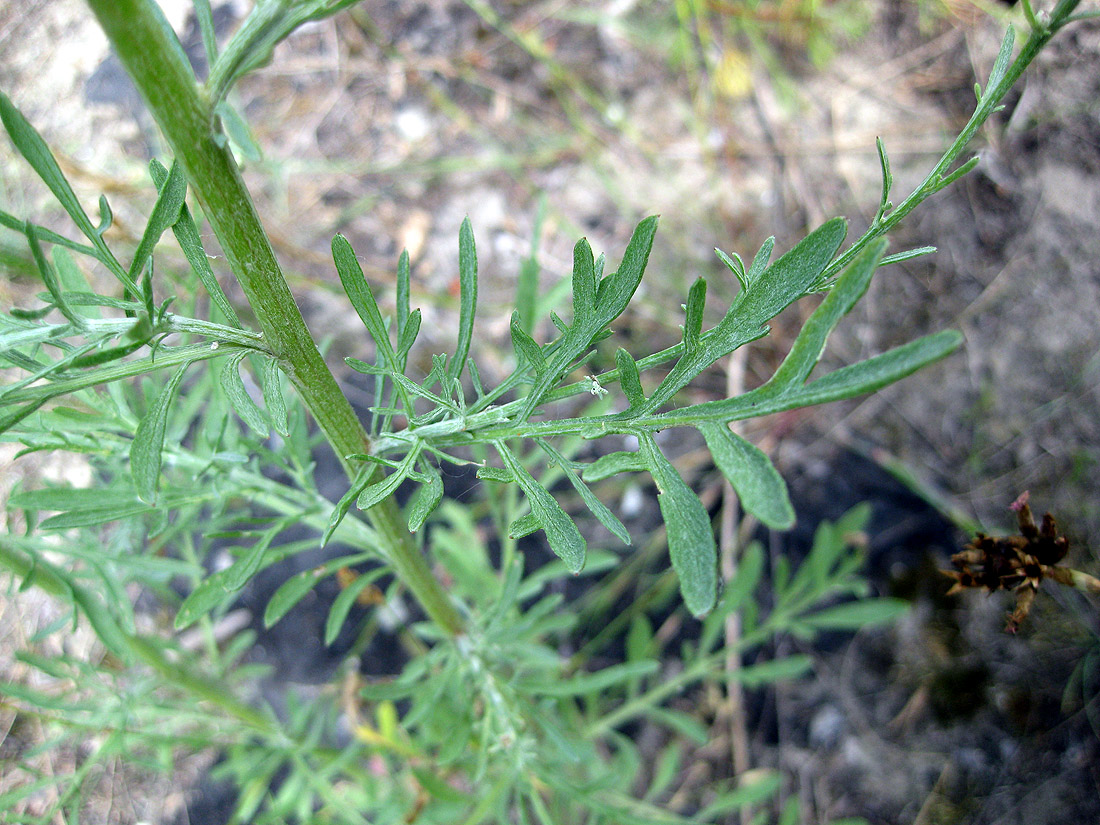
(392, 123)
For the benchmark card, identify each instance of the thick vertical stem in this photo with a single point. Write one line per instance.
(152, 56)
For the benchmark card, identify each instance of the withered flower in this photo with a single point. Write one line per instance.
(1018, 563)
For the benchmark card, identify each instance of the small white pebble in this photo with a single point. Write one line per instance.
(413, 124)
(633, 501)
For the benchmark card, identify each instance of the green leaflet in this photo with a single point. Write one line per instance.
(92, 516)
(50, 279)
(681, 722)
(562, 534)
(376, 492)
(390, 363)
(810, 343)
(528, 282)
(467, 302)
(187, 236)
(74, 283)
(855, 379)
(526, 348)
(762, 787)
(735, 265)
(879, 371)
(342, 604)
(219, 586)
(524, 526)
(758, 484)
(166, 211)
(693, 314)
(70, 498)
(244, 568)
(691, 544)
(833, 556)
(402, 292)
(273, 397)
(629, 379)
(294, 589)
(48, 235)
(362, 299)
(205, 17)
(362, 479)
(235, 127)
(887, 180)
(251, 46)
(426, 498)
(584, 281)
(768, 294)
(776, 670)
(238, 396)
(760, 260)
(204, 598)
(588, 683)
(597, 507)
(148, 443)
(500, 474)
(407, 336)
(1004, 59)
(857, 615)
(612, 464)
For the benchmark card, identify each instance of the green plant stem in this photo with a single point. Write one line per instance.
(152, 56)
(989, 103)
(409, 566)
(163, 358)
(154, 59)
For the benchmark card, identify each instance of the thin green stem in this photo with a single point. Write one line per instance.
(163, 358)
(989, 103)
(409, 565)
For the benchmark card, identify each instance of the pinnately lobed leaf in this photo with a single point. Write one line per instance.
(34, 149)
(847, 382)
(767, 294)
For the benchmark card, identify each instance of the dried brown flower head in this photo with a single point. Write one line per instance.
(1018, 562)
